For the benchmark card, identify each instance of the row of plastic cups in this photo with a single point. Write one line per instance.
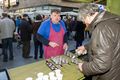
(52, 76)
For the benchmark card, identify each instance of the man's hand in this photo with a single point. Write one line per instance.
(65, 46)
(81, 50)
(53, 44)
(15, 33)
(80, 66)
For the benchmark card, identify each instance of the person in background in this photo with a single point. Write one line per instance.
(52, 33)
(37, 43)
(7, 28)
(104, 46)
(17, 31)
(18, 21)
(0, 37)
(45, 17)
(79, 35)
(29, 20)
(25, 32)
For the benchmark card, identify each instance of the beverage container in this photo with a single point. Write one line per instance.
(59, 76)
(29, 78)
(45, 77)
(40, 74)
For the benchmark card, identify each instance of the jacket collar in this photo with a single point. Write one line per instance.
(102, 16)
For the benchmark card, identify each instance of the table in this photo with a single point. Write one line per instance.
(69, 71)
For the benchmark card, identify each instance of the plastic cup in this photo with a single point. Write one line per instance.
(51, 74)
(53, 78)
(40, 74)
(39, 78)
(56, 62)
(63, 61)
(29, 78)
(59, 77)
(45, 77)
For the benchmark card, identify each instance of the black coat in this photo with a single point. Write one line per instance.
(25, 30)
(80, 27)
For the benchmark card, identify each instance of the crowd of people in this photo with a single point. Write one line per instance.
(23, 28)
(19, 30)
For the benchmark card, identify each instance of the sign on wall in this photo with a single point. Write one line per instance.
(6, 3)
(14, 2)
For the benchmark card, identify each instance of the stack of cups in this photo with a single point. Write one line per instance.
(40, 76)
(51, 74)
(58, 74)
(29, 78)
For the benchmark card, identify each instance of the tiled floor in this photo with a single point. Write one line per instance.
(19, 60)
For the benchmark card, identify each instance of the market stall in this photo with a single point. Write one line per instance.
(70, 71)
